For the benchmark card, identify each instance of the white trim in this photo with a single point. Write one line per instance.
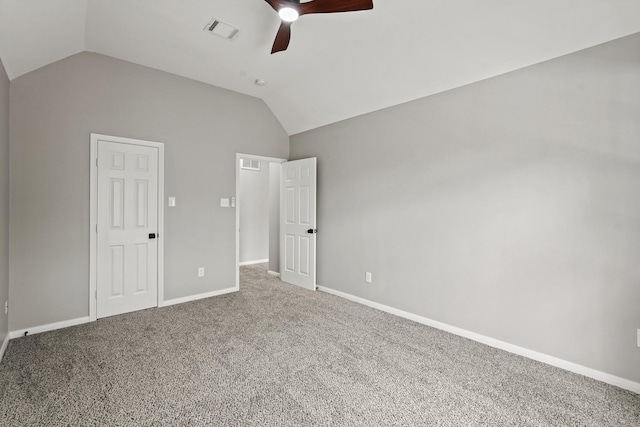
(93, 214)
(5, 343)
(199, 296)
(161, 235)
(238, 157)
(257, 261)
(273, 273)
(49, 327)
(93, 221)
(502, 345)
(258, 157)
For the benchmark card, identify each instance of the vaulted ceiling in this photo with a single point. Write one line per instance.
(337, 65)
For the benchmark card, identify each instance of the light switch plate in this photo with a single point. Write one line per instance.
(172, 202)
(224, 202)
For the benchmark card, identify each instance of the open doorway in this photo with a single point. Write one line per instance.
(257, 212)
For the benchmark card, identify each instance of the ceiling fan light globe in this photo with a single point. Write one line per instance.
(288, 14)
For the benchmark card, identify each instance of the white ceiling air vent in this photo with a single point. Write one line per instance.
(250, 164)
(221, 29)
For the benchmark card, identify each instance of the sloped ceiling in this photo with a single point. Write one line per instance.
(337, 65)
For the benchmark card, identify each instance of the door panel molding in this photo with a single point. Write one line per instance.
(93, 212)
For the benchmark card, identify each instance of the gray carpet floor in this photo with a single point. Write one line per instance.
(274, 354)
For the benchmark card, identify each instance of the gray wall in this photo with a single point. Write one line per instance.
(254, 213)
(4, 200)
(509, 207)
(54, 110)
(274, 216)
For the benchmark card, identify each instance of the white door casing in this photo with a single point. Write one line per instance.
(298, 223)
(126, 259)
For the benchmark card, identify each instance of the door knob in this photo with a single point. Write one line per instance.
(312, 231)
(152, 235)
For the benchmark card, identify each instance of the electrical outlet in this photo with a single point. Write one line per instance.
(200, 271)
(367, 277)
(6, 311)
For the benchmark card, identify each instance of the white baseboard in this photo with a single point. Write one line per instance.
(273, 273)
(502, 345)
(49, 327)
(257, 261)
(81, 320)
(5, 343)
(199, 296)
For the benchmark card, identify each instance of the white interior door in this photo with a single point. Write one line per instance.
(298, 223)
(127, 240)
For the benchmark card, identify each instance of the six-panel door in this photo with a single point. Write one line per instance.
(127, 262)
(298, 223)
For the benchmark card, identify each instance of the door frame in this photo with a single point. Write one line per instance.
(93, 215)
(238, 157)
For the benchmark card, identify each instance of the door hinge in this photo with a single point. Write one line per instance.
(96, 295)
(96, 228)
(96, 162)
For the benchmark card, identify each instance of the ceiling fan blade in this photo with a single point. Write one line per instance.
(278, 4)
(331, 6)
(282, 38)
(314, 6)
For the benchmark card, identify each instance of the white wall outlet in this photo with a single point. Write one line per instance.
(6, 311)
(224, 202)
(172, 202)
(367, 277)
(200, 271)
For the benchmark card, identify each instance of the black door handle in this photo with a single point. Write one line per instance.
(312, 231)
(152, 235)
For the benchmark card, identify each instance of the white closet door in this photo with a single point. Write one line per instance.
(127, 243)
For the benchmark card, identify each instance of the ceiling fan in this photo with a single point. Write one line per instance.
(290, 10)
